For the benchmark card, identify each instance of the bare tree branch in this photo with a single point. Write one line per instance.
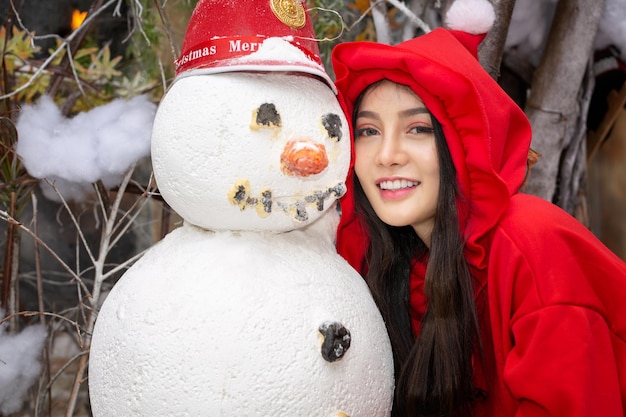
(413, 19)
(492, 48)
(381, 23)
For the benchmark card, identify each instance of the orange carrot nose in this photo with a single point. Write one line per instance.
(303, 158)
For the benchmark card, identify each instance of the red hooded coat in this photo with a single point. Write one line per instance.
(550, 296)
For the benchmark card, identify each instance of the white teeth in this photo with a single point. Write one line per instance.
(397, 184)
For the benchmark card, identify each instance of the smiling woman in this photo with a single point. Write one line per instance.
(489, 295)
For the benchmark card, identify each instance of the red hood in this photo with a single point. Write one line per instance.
(487, 133)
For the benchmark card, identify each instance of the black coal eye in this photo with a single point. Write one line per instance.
(332, 124)
(267, 115)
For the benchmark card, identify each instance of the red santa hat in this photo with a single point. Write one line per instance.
(470, 20)
(250, 35)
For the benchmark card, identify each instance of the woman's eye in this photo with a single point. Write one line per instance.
(421, 130)
(366, 131)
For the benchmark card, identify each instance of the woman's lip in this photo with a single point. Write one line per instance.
(394, 195)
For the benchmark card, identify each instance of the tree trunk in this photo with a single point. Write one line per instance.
(492, 48)
(554, 105)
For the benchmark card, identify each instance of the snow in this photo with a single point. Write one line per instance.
(73, 153)
(279, 49)
(19, 364)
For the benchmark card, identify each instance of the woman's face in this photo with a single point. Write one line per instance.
(396, 157)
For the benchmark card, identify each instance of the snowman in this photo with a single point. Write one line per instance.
(246, 309)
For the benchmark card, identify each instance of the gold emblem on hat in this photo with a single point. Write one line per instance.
(290, 12)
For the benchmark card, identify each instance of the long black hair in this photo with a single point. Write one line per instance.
(434, 375)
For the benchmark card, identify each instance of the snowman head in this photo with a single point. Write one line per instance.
(250, 151)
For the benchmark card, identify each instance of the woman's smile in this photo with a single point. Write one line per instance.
(396, 189)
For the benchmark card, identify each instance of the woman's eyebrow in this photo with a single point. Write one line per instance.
(404, 113)
(414, 111)
(368, 114)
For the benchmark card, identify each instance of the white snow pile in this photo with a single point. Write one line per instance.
(19, 364)
(531, 20)
(73, 153)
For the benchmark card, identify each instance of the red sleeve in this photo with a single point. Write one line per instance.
(558, 315)
(563, 364)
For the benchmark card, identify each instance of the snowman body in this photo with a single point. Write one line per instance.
(247, 309)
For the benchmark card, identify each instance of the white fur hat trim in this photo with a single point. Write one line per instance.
(471, 16)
